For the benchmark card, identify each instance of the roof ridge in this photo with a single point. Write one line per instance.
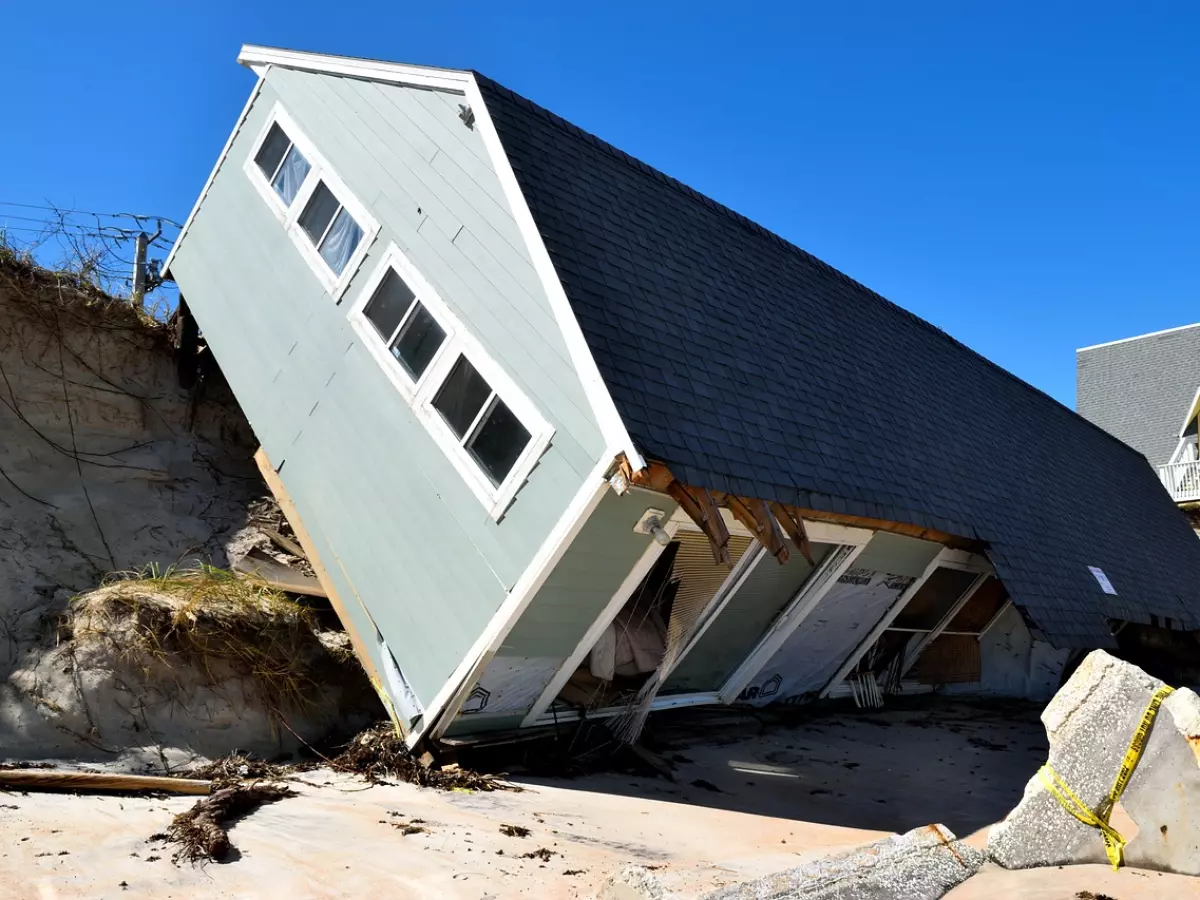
(693, 194)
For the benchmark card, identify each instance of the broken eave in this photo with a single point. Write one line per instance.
(766, 520)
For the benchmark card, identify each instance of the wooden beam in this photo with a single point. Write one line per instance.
(279, 576)
(755, 515)
(88, 782)
(700, 505)
(658, 477)
(953, 541)
(275, 484)
(794, 525)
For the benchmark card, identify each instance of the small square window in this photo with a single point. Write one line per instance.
(322, 207)
(282, 164)
(498, 442)
(418, 341)
(341, 240)
(271, 153)
(462, 396)
(290, 176)
(388, 305)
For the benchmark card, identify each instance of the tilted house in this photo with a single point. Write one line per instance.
(564, 436)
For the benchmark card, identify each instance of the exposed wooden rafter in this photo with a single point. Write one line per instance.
(765, 519)
(794, 524)
(701, 506)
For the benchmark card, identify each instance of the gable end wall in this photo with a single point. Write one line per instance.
(397, 526)
(1139, 390)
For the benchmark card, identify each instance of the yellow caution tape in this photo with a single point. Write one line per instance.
(1114, 844)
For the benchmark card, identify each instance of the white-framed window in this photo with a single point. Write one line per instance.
(331, 229)
(480, 419)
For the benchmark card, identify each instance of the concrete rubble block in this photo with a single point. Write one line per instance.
(923, 864)
(1090, 723)
(634, 883)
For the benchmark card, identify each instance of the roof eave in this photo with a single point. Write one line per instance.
(256, 57)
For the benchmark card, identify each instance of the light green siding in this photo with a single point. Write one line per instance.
(564, 608)
(397, 526)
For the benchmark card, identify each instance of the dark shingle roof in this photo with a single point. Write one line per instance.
(748, 365)
(1139, 389)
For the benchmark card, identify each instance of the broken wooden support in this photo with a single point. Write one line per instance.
(279, 576)
(793, 522)
(700, 505)
(658, 477)
(755, 515)
(90, 782)
(286, 544)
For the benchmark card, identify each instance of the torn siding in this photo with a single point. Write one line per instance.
(400, 531)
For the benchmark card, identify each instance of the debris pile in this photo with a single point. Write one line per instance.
(380, 755)
(201, 832)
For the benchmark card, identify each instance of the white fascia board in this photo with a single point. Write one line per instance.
(612, 426)
(445, 705)
(216, 167)
(370, 69)
(1138, 337)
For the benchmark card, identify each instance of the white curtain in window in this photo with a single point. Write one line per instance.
(291, 175)
(341, 241)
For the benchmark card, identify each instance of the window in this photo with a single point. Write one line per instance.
(492, 434)
(330, 228)
(489, 431)
(282, 163)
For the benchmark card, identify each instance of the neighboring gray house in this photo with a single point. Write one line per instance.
(1144, 390)
(563, 437)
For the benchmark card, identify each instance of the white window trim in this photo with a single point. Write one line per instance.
(420, 393)
(289, 216)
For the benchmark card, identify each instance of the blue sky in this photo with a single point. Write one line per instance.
(1024, 175)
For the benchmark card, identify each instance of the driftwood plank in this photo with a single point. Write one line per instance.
(54, 780)
(279, 576)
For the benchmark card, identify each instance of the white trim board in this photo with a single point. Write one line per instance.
(819, 582)
(947, 558)
(446, 703)
(252, 55)
(612, 427)
(1138, 337)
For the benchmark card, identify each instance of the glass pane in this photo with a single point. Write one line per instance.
(272, 150)
(322, 206)
(291, 175)
(341, 241)
(388, 304)
(418, 341)
(462, 396)
(498, 442)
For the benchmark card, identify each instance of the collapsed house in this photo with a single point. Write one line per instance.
(565, 438)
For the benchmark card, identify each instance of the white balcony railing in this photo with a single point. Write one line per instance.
(1182, 480)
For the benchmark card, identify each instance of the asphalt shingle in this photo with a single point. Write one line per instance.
(744, 362)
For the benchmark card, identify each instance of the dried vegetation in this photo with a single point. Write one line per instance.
(205, 617)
